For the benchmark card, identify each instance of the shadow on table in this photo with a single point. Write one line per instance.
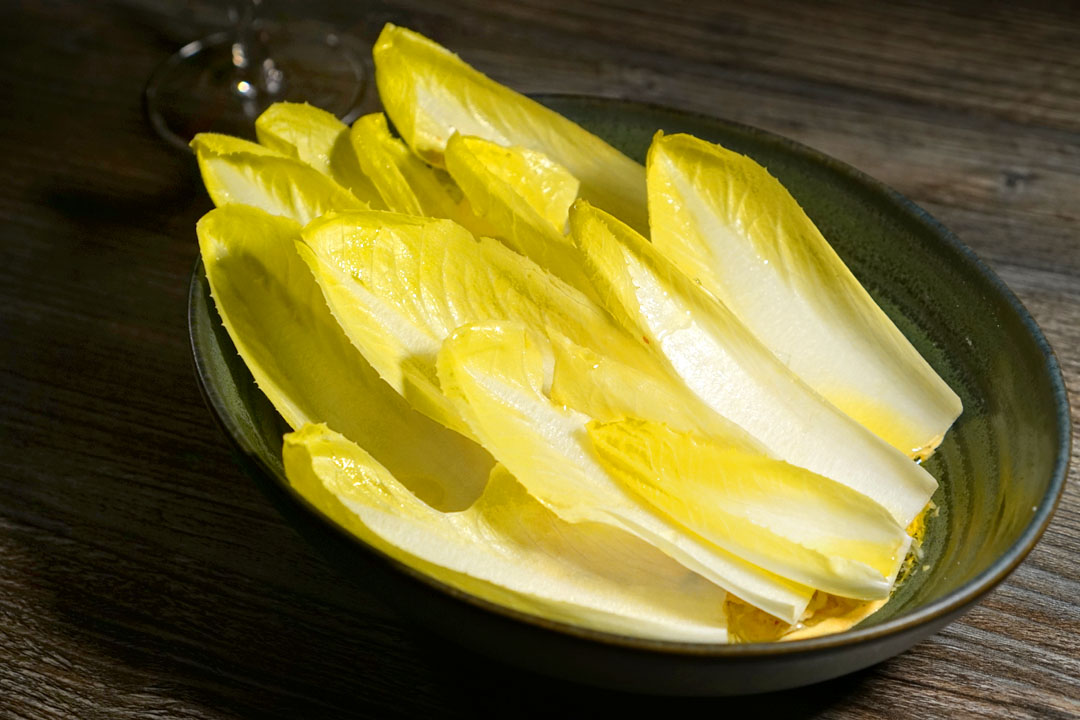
(489, 689)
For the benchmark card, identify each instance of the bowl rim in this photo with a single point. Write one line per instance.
(954, 602)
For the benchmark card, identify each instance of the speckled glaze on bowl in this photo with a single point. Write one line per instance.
(1001, 468)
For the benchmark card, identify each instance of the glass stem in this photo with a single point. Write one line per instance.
(244, 51)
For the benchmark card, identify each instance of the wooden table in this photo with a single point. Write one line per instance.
(142, 575)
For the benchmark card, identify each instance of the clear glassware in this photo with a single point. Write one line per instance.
(222, 82)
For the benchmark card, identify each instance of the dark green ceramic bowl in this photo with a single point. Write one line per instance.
(1001, 468)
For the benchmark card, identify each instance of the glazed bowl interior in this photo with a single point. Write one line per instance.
(1001, 467)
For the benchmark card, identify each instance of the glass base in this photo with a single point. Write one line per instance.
(216, 85)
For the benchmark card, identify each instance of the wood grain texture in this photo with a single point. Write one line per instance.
(143, 576)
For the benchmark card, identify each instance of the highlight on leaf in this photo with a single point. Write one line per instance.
(606, 389)
(241, 172)
(731, 226)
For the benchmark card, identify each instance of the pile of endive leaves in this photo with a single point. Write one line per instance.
(611, 395)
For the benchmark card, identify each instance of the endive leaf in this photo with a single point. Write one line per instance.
(300, 358)
(319, 139)
(400, 284)
(300, 131)
(508, 548)
(725, 221)
(495, 374)
(514, 177)
(240, 172)
(218, 144)
(406, 183)
(737, 376)
(525, 197)
(430, 93)
(783, 518)
(605, 389)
